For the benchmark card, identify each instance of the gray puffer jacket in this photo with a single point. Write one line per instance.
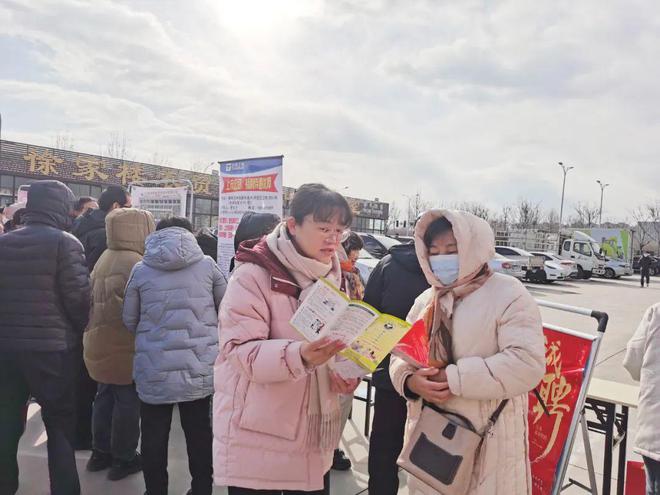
(171, 303)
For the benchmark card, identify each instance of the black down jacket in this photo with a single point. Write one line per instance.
(44, 282)
(90, 231)
(392, 288)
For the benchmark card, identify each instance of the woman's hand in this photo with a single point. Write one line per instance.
(430, 384)
(320, 351)
(343, 386)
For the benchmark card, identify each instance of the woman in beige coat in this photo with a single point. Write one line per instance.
(496, 343)
(109, 347)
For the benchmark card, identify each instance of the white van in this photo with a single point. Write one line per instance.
(585, 251)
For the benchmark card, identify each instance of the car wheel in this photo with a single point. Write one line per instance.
(609, 273)
(587, 275)
(580, 274)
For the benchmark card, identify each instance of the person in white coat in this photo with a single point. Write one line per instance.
(643, 363)
(497, 348)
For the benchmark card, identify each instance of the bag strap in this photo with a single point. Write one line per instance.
(468, 424)
(495, 416)
(447, 342)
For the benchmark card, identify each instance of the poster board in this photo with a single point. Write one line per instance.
(253, 184)
(162, 202)
(570, 359)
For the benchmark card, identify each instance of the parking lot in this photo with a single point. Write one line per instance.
(622, 299)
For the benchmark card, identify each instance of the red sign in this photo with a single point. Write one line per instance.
(261, 183)
(566, 358)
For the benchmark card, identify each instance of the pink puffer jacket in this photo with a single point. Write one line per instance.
(260, 402)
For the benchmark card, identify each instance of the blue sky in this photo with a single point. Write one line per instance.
(462, 101)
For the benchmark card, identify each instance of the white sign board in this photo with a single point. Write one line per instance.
(162, 202)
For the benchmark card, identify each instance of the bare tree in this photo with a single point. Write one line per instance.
(64, 141)
(586, 214)
(158, 159)
(552, 219)
(528, 213)
(204, 166)
(117, 146)
(478, 209)
(416, 206)
(647, 217)
(394, 215)
(505, 218)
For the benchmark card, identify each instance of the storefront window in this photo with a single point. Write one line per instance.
(6, 185)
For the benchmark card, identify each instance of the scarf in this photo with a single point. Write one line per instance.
(351, 276)
(323, 408)
(438, 316)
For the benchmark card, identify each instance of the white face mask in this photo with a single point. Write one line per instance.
(445, 267)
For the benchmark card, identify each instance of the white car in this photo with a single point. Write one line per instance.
(557, 268)
(501, 264)
(366, 263)
(616, 268)
(532, 265)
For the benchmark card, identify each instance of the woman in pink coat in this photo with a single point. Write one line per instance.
(276, 409)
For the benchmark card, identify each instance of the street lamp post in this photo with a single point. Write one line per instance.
(602, 189)
(563, 189)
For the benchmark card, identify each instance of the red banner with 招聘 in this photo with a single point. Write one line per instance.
(566, 358)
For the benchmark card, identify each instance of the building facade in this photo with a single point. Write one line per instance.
(88, 175)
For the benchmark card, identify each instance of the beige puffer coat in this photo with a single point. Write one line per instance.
(499, 352)
(108, 345)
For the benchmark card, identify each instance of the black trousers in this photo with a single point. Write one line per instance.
(85, 393)
(386, 442)
(645, 274)
(652, 476)
(49, 377)
(234, 490)
(196, 424)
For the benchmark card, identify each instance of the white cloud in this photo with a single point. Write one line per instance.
(461, 100)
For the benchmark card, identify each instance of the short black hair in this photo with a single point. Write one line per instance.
(182, 222)
(438, 227)
(322, 203)
(82, 201)
(352, 243)
(112, 195)
(254, 225)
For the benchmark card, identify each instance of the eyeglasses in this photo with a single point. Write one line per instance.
(332, 235)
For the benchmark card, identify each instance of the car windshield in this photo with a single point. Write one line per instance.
(388, 242)
(596, 249)
(364, 255)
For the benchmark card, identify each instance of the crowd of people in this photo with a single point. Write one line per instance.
(109, 319)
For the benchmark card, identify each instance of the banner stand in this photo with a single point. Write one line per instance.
(183, 182)
(548, 473)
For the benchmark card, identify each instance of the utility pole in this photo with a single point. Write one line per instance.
(602, 189)
(563, 189)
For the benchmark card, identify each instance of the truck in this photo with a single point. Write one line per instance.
(585, 251)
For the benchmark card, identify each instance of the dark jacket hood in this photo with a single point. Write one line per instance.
(49, 202)
(92, 220)
(405, 255)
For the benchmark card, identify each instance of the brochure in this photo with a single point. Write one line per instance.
(369, 334)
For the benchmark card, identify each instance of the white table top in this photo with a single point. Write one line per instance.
(615, 392)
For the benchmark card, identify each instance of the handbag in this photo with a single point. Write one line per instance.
(444, 446)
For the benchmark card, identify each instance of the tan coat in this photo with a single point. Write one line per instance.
(108, 346)
(499, 352)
